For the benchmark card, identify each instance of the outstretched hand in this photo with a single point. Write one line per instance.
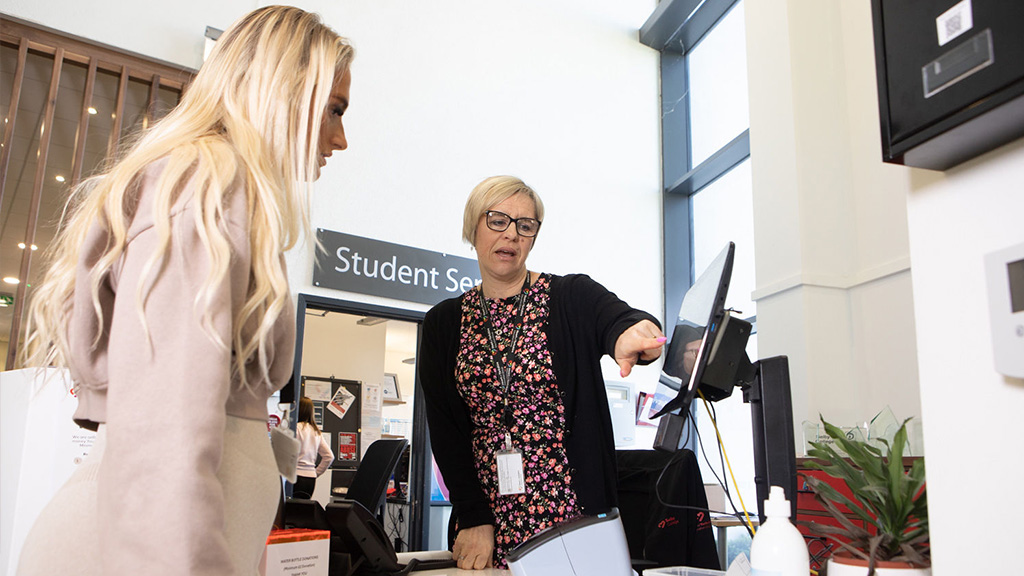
(640, 342)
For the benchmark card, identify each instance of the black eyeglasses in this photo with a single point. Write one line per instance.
(499, 222)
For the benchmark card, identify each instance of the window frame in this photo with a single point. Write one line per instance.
(674, 28)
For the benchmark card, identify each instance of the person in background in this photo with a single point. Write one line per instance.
(167, 298)
(511, 376)
(311, 445)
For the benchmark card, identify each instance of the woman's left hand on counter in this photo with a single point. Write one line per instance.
(641, 341)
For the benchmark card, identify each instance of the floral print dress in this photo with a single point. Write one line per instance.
(535, 418)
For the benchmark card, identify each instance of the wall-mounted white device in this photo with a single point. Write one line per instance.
(622, 405)
(1004, 270)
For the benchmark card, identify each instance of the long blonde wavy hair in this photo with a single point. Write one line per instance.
(252, 115)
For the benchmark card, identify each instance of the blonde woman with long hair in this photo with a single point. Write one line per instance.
(167, 298)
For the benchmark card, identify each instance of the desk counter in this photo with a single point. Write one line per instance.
(405, 557)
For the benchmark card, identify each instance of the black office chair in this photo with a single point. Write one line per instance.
(370, 482)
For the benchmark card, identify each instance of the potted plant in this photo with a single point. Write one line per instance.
(889, 499)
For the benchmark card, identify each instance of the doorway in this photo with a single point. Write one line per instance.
(375, 347)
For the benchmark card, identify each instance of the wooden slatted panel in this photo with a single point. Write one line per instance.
(154, 88)
(64, 47)
(12, 115)
(33, 213)
(81, 50)
(83, 124)
(115, 130)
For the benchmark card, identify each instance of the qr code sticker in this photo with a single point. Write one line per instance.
(955, 21)
(953, 25)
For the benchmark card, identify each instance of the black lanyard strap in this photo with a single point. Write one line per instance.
(498, 359)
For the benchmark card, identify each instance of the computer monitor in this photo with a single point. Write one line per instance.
(708, 353)
(701, 317)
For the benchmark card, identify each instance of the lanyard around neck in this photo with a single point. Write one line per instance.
(498, 359)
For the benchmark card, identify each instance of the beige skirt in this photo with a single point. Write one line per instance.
(63, 539)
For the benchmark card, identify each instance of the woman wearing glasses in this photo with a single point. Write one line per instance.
(511, 372)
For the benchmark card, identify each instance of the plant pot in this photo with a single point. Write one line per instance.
(839, 565)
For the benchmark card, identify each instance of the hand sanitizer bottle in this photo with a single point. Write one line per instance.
(778, 548)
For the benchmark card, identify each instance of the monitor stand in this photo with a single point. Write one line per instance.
(771, 412)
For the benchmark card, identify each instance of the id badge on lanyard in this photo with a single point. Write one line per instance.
(511, 479)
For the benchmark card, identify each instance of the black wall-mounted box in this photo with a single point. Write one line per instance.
(943, 104)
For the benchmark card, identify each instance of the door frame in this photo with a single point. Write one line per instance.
(420, 454)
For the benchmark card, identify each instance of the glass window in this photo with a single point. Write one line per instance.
(712, 78)
(723, 212)
(718, 87)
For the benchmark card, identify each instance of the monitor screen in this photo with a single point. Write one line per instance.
(696, 328)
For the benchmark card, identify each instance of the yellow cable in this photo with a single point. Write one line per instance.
(731, 475)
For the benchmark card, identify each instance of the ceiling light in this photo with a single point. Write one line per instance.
(92, 110)
(11, 280)
(59, 178)
(371, 321)
(22, 246)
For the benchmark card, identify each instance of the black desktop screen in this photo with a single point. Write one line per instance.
(696, 328)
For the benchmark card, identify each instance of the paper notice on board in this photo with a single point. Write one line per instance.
(317, 390)
(341, 402)
(372, 397)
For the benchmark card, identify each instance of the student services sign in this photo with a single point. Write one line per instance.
(378, 268)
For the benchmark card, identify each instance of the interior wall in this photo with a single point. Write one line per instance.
(447, 93)
(169, 31)
(401, 345)
(832, 251)
(334, 346)
(972, 439)
(443, 95)
(882, 311)
(563, 95)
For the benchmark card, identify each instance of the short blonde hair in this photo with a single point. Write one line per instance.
(491, 192)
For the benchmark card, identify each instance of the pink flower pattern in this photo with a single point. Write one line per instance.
(538, 415)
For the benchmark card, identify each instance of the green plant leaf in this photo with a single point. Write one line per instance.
(830, 497)
(885, 495)
(855, 450)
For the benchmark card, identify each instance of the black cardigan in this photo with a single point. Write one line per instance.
(584, 323)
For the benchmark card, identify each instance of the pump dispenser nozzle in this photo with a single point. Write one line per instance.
(778, 548)
(776, 504)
